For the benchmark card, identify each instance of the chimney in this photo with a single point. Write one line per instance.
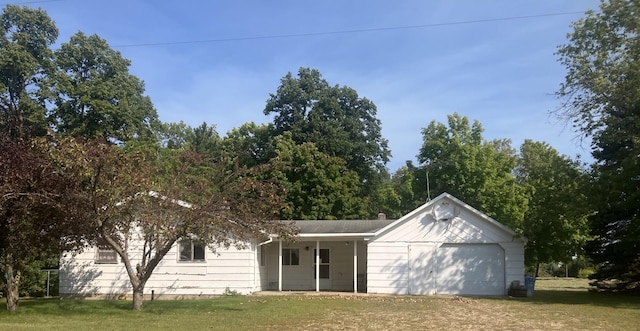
(382, 215)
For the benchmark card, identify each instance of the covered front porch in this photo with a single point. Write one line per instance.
(324, 256)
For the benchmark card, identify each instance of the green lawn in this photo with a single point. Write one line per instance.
(558, 304)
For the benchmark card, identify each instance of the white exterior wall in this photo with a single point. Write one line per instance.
(232, 269)
(388, 267)
(390, 260)
(514, 262)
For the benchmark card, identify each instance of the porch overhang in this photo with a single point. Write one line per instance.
(333, 236)
(350, 231)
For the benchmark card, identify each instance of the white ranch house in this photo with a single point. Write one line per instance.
(443, 247)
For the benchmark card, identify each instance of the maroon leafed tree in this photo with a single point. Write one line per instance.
(39, 207)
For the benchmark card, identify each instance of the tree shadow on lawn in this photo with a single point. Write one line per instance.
(612, 300)
(79, 306)
(57, 306)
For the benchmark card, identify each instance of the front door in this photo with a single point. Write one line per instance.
(325, 268)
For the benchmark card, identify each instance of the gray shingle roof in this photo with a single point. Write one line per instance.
(341, 226)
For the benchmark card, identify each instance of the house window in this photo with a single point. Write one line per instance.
(290, 256)
(105, 255)
(191, 250)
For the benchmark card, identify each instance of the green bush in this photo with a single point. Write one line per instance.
(585, 272)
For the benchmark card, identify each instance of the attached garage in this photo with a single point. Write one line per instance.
(445, 247)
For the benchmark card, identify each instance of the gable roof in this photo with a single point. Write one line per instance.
(375, 228)
(441, 197)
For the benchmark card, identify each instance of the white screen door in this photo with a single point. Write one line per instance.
(325, 268)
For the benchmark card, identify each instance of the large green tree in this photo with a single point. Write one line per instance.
(95, 95)
(479, 172)
(203, 139)
(409, 190)
(318, 186)
(250, 144)
(601, 95)
(25, 59)
(336, 119)
(555, 223)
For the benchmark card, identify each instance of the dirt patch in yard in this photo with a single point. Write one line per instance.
(454, 313)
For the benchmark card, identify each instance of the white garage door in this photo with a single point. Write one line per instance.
(470, 269)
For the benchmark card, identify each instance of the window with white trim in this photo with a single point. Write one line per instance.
(290, 256)
(105, 254)
(191, 250)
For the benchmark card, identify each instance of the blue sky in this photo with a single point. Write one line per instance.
(500, 72)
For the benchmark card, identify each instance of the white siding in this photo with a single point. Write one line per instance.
(387, 267)
(231, 269)
(422, 255)
(514, 262)
(463, 229)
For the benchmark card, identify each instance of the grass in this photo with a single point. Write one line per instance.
(558, 304)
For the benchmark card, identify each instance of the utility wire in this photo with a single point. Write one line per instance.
(28, 2)
(325, 33)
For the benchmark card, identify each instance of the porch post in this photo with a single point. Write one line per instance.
(317, 265)
(355, 266)
(280, 265)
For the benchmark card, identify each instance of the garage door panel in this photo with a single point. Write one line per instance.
(475, 269)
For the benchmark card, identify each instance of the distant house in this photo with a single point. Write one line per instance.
(443, 247)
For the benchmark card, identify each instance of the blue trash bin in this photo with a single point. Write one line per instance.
(530, 283)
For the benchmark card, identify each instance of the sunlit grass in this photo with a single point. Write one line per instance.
(558, 304)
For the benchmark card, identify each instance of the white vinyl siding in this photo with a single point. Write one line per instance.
(387, 268)
(467, 254)
(230, 268)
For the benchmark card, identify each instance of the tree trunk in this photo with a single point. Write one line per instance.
(138, 297)
(13, 283)
(537, 269)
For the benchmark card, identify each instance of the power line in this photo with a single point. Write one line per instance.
(312, 34)
(28, 2)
